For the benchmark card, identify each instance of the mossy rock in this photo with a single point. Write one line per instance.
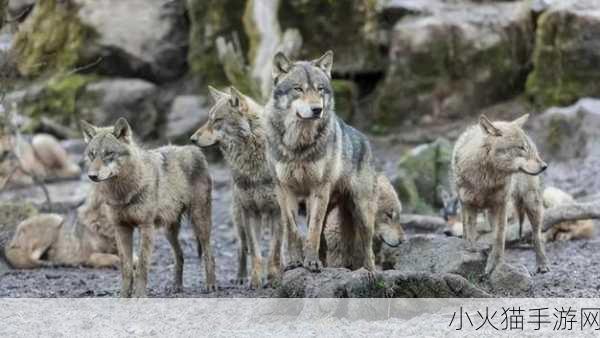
(57, 99)
(11, 214)
(452, 63)
(428, 166)
(210, 19)
(346, 98)
(566, 56)
(407, 192)
(51, 39)
(347, 28)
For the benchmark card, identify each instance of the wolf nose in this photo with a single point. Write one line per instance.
(93, 177)
(317, 111)
(544, 166)
(194, 140)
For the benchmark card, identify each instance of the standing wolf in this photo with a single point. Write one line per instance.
(484, 161)
(317, 158)
(236, 125)
(148, 189)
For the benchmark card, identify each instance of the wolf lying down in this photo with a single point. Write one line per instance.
(46, 240)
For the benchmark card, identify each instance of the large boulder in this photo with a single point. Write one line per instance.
(565, 133)
(138, 38)
(343, 283)
(423, 171)
(439, 254)
(449, 63)
(511, 279)
(188, 113)
(566, 55)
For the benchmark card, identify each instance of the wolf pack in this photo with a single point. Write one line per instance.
(292, 158)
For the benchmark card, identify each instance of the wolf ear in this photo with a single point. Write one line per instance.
(521, 120)
(325, 62)
(88, 130)
(122, 130)
(237, 100)
(487, 126)
(215, 94)
(281, 65)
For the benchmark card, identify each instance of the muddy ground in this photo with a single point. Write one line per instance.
(575, 272)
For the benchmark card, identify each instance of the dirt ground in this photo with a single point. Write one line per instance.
(573, 269)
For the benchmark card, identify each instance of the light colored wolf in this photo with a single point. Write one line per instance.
(236, 125)
(315, 157)
(336, 250)
(146, 189)
(45, 240)
(485, 158)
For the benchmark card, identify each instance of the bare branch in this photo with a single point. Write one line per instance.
(571, 212)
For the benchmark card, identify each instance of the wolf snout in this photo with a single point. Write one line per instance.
(316, 112)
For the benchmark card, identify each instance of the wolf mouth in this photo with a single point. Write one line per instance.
(530, 173)
(388, 244)
(311, 118)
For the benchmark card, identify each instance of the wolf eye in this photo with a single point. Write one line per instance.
(218, 120)
(321, 89)
(109, 155)
(298, 89)
(522, 148)
(91, 155)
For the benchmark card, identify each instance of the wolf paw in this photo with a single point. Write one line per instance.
(239, 281)
(255, 283)
(210, 288)
(313, 265)
(292, 265)
(543, 268)
(175, 288)
(367, 275)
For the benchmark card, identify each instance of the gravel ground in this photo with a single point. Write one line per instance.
(574, 272)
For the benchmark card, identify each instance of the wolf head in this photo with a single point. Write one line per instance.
(511, 150)
(387, 223)
(33, 238)
(228, 117)
(108, 149)
(302, 89)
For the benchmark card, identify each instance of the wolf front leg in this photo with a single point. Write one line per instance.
(274, 221)
(497, 217)
(124, 237)
(145, 256)
(317, 204)
(289, 209)
(238, 223)
(536, 215)
(366, 207)
(252, 230)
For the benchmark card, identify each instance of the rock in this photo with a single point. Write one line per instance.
(11, 214)
(439, 254)
(188, 113)
(511, 279)
(64, 195)
(103, 102)
(428, 166)
(564, 133)
(209, 20)
(133, 38)
(566, 53)
(407, 193)
(350, 31)
(346, 99)
(343, 283)
(454, 61)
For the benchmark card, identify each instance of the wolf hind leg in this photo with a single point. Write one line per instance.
(201, 215)
(274, 268)
(172, 234)
(365, 207)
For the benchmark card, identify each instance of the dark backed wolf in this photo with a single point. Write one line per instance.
(317, 158)
(146, 189)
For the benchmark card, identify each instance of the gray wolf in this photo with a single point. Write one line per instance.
(317, 158)
(336, 251)
(145, 189)
(236, 125)
(44, 158)
(46, 240)
(485, 159)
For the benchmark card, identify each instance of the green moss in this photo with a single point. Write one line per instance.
(346, 96)
(51, 39)
(13, 213)
(210, 19)
(57, 99)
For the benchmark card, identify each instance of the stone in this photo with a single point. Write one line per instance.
(188, 113)
(566, 53)
(511, 279)
(11, 214)
(454, 61)
(343, 283)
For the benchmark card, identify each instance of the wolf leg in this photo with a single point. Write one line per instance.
(317, 204)
(535, 216)
(145, 256)
(497, 217)
(273, 220)
(172, 234)
(124, 237)
(289, 209)
(252, 230)
(202, 225)
(239, 224)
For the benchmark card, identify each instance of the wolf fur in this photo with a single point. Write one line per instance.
(315, 157)
(336, 251)
(565, 231)
(485, 158)
(44, 158)
(235, 123)
(46, 240)
(145, 189)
